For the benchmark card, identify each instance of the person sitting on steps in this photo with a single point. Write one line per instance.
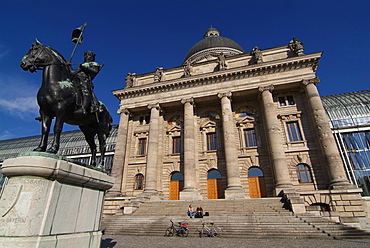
(191, 211)
(199, 211)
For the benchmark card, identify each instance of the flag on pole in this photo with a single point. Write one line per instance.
(77, 34)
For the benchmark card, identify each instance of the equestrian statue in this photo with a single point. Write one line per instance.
(67, 95)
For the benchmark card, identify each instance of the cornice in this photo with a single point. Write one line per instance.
(271, 67)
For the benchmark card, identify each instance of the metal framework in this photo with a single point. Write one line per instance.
(349, 115)
(72, 145)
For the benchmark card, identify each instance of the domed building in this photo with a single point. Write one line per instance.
(229, 124)
(234, 124)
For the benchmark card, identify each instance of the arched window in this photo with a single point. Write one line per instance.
(214, 174)
(303, 173)
(177, 176)
(139, 181)
(255, 172)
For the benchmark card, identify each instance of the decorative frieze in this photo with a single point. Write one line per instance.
(219, 77)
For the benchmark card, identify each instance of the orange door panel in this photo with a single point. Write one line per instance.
(262, 185)
(254, 189)
(214, 188)
(174, 190)
(257, 187)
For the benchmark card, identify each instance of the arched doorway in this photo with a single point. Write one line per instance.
(256, 181)
(176, 185)
(214, 185)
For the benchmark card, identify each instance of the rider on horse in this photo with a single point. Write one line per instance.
(84, 75)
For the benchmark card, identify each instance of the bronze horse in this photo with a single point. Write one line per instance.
(58, 98)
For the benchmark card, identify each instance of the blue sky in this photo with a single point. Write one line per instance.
(140, 35)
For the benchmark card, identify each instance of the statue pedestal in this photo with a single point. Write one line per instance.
(50, 202)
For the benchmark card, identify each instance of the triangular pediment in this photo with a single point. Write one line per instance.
(173, 128)
(208, 124)
(246, 119)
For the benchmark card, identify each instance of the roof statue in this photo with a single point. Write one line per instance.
(257, 53)
(130, 79)
(296, 46)
(158, 75)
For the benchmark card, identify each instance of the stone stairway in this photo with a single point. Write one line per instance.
(254, 218)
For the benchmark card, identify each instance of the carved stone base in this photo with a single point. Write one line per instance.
(234, 193)
(50, 202)
(190, 194)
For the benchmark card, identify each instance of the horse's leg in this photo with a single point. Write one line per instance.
(102, 136)
(58, 127)
(45, 129)
(89, 136)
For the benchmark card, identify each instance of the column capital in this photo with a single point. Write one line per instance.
(224, 94)
(314, 81)
(123, 111)
(154, 105)
(188, 100)
(264, 88)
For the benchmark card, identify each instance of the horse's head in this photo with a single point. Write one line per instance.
(38, 56)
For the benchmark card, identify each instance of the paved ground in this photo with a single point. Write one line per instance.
(118, 241)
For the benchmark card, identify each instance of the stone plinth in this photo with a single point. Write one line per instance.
(50, 202)
(347, 205)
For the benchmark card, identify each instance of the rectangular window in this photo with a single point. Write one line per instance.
(176, 145)
(290, 100)
(250, 138)
(286, 100)
(211, 141)
(144, 120)
(142, 146)
(294, 132)
(282, 101)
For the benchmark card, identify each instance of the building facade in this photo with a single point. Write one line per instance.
(232, 124)
(226, 124)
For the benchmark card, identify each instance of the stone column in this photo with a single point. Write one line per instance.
(338, 178)
(120, 153)
(234, 187)
(277, 153)
(152, 155)
(190, 191)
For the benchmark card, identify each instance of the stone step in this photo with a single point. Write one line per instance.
(238, 218)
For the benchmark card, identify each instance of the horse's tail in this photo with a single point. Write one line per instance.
(105, 117)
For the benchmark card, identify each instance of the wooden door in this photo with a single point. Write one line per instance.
(257, 187)
(214, 188)
(175, 187)
(174, 190)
